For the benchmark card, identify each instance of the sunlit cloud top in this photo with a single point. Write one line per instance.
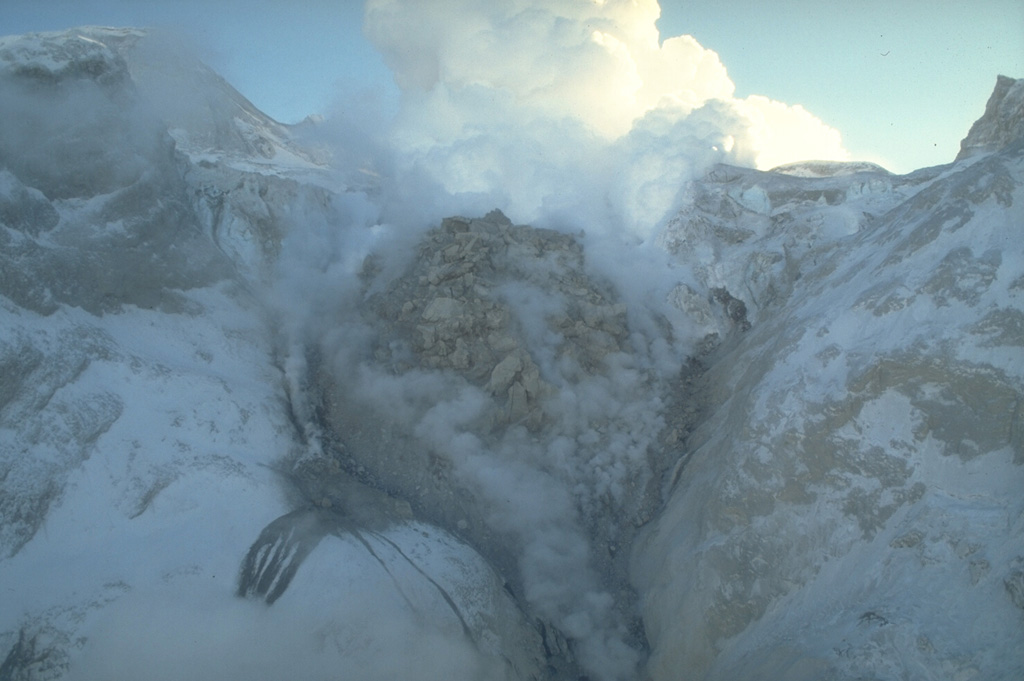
(515, 96)
(600, 63)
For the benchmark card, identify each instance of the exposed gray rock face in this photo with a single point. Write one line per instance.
(748, 236)
(465, 306)
(497, 332)
(241, 173)
(247, 213)
(109, 224)
(1003, 121)
(25, 209)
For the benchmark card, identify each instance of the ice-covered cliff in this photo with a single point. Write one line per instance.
(250, 429)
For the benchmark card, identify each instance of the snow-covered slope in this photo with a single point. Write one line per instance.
(249, 431)
(851, 505)
(146, 432)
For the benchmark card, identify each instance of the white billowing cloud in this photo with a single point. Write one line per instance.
(572, 104)
(599, 63)
(570, 114)
(779, 133)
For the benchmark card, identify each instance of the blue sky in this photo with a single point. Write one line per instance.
(901, 81)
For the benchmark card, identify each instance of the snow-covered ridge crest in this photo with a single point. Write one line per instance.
(827, 168)
(201, 110)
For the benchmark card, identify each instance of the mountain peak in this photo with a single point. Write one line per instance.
(1002, 122)
(66, 55)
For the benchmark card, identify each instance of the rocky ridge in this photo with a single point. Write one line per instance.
(508, 326)
(1001, 125)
